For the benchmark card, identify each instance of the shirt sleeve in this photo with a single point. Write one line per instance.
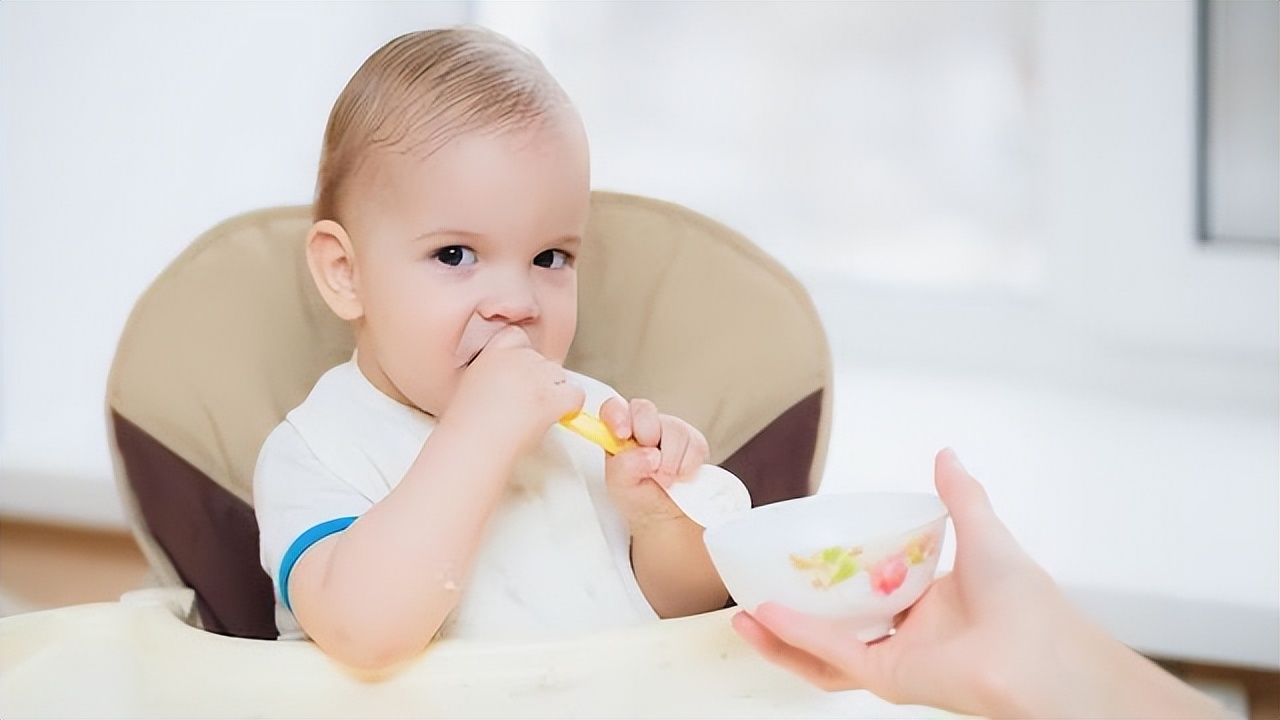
(298, 502)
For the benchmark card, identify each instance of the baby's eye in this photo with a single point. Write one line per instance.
(553, 259)
(455, 255)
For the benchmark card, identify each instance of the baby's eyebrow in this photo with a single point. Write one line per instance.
(569, 241)
(444, 232)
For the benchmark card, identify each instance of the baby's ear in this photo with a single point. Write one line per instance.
(331, 259)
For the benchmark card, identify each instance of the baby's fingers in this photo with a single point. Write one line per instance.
(684, 449)
(616, 415)
(635, 464)
(568, 397)
(646, 423)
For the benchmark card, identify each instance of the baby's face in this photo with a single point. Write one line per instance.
(450, 249)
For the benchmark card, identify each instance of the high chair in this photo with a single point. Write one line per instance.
(231, 336)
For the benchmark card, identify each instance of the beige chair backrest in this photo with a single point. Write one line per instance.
(231, 336)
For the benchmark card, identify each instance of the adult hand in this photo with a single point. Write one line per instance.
(995, 637)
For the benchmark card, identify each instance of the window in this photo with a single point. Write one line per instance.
(1239, 142)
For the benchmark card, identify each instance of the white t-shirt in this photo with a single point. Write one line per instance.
(556, 557)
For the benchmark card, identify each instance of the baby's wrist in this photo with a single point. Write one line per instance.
(663, 522)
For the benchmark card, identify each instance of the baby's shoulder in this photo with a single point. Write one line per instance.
(339, 384)
(344, 409)
(328, 402)
(345, 396)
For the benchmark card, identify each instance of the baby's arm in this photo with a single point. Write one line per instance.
(668, 556)
(377, 593)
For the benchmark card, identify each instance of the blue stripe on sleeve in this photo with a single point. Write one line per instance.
(312, 536)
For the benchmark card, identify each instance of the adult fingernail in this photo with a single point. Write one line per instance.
(954, 457)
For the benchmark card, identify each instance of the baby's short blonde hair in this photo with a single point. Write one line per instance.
(422, 89)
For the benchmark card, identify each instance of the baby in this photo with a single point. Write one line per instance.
(424, 488)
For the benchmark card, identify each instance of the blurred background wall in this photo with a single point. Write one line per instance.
(984, 191)
(128, 129)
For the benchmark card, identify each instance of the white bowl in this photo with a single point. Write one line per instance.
(859, 557)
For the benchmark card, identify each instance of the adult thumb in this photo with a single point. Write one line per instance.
(976, 524)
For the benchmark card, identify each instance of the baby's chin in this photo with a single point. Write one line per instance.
(429, 400)
(425, 407)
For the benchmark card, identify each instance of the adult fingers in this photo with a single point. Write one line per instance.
(979, 530)
(789, 657)
(843, 654)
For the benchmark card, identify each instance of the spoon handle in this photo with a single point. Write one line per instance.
(593, 428)
(710, 497)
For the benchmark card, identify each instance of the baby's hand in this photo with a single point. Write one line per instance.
(513, 392)
(670, 450)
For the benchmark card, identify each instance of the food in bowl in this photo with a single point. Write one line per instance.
(859, 557)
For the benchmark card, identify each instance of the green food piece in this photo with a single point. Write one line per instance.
(847, 568)
(833, 555)
(830, 566)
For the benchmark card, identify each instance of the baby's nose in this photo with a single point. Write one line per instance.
(512, 301)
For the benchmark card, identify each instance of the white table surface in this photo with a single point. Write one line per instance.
(1162, 521)
(136, 659)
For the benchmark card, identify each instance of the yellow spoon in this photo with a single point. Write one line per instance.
(710, 497)
(593, 428)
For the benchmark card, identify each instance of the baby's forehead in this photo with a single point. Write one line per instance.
(423, 161)
(385, 166)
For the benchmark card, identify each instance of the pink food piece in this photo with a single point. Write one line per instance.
(888, 574)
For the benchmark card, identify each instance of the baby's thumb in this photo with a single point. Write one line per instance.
(637, 462)
(511, 336)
